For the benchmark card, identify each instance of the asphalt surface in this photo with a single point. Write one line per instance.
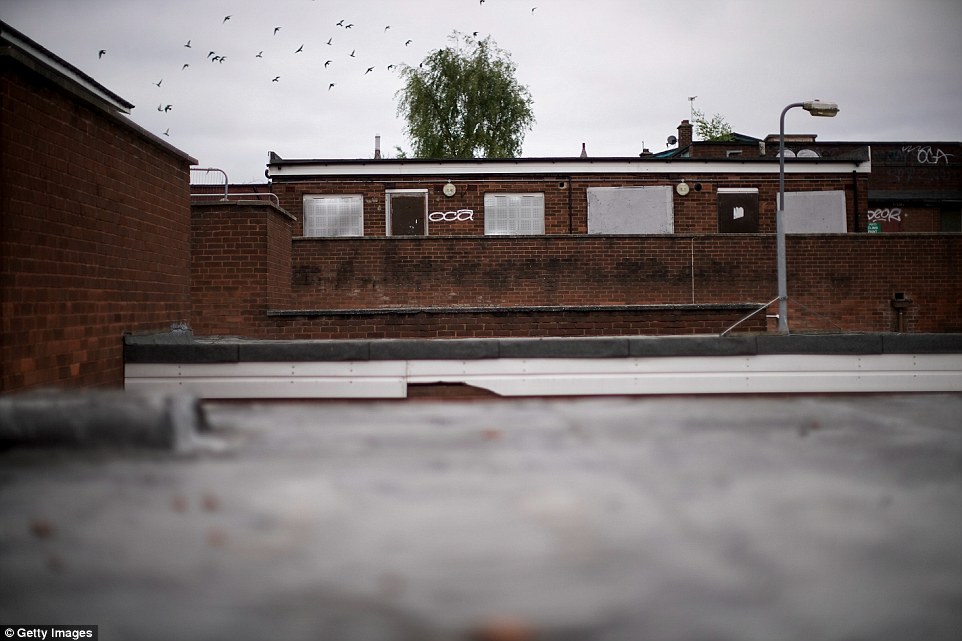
(772, 518)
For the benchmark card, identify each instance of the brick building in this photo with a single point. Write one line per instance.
(101, 237)
(913, 186)
(94, 224)
(650, 244)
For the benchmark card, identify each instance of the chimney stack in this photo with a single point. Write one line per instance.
(584, 151)
(377, 147)
(684, 134)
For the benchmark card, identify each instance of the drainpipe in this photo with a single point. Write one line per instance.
(858, 207)
(900, 303)
(571, 225)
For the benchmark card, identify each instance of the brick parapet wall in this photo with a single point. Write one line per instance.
(94, 235)
(506, 271)
(240, 265)
(843, 281)
(523, 322)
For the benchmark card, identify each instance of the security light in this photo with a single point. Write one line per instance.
(819, 108)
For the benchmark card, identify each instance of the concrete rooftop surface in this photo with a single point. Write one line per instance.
(741, 518)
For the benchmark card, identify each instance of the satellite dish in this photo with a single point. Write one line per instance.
(672, 141)
(807, 153)
(788, 154)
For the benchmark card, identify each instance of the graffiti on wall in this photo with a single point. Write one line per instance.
(925, 155)
(884, 215)
(451, 216)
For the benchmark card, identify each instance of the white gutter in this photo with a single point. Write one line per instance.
(561, 166)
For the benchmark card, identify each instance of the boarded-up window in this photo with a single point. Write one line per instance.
(407, 213)
(506, 214)
(815, 212)
(333, 215)
(737, 210)
(630, 210)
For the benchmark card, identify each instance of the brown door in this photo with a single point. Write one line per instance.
(408, 214)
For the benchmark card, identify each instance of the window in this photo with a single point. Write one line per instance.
(506, 214)
(815, 212)
(407, 212)
(333, 215)
(737, 210)
(630, 210)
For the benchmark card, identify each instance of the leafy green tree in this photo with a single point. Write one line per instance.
(714, 130)
(463, 101)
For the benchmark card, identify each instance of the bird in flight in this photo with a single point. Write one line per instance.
(387, 27)
(326, 64)
(276, 29)
(300, 49)
(349, 25)
(330, 86)
(260, 54)
(340, 24)
(389, 67)
(167, 131)
(369, 70)
(276, 79)
(408, 42)
(210, 53)
(329, 40)
(186, 64)
(164, 109)
(188, 44)
(159, 81)
(352, 52)
(533, 8)
(226, 18)
(100, 54)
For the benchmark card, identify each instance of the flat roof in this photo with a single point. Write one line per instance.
(302, 167)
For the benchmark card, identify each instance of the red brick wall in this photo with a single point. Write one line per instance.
(94, 236)
(240, 265)
(515, 323)
(848, 281)
(499, 271)
(566, 197)
(835, 281)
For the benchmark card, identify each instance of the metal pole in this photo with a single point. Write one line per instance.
(780, 225)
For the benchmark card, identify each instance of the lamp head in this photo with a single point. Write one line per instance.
(819, 108)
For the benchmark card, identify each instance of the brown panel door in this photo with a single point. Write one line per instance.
(408, 215)
(738, 212)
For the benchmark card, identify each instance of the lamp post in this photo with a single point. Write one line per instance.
(816, 108)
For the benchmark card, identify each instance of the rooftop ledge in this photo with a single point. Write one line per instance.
(184, 348)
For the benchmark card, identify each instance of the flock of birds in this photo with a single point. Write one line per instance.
(330, 54)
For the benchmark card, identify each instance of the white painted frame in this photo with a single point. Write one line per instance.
(403, 192)
(757, 374)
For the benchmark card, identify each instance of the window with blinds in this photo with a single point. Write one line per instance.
(508, 214)
(334, 215)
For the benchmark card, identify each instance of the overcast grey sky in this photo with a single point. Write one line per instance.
(614, 74)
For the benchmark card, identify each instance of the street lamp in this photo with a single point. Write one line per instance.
(816, 108)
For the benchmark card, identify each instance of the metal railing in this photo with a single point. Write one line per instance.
(195, 180)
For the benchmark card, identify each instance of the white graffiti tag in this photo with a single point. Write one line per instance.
(883, 215)
(926, 155)
(451, 216)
